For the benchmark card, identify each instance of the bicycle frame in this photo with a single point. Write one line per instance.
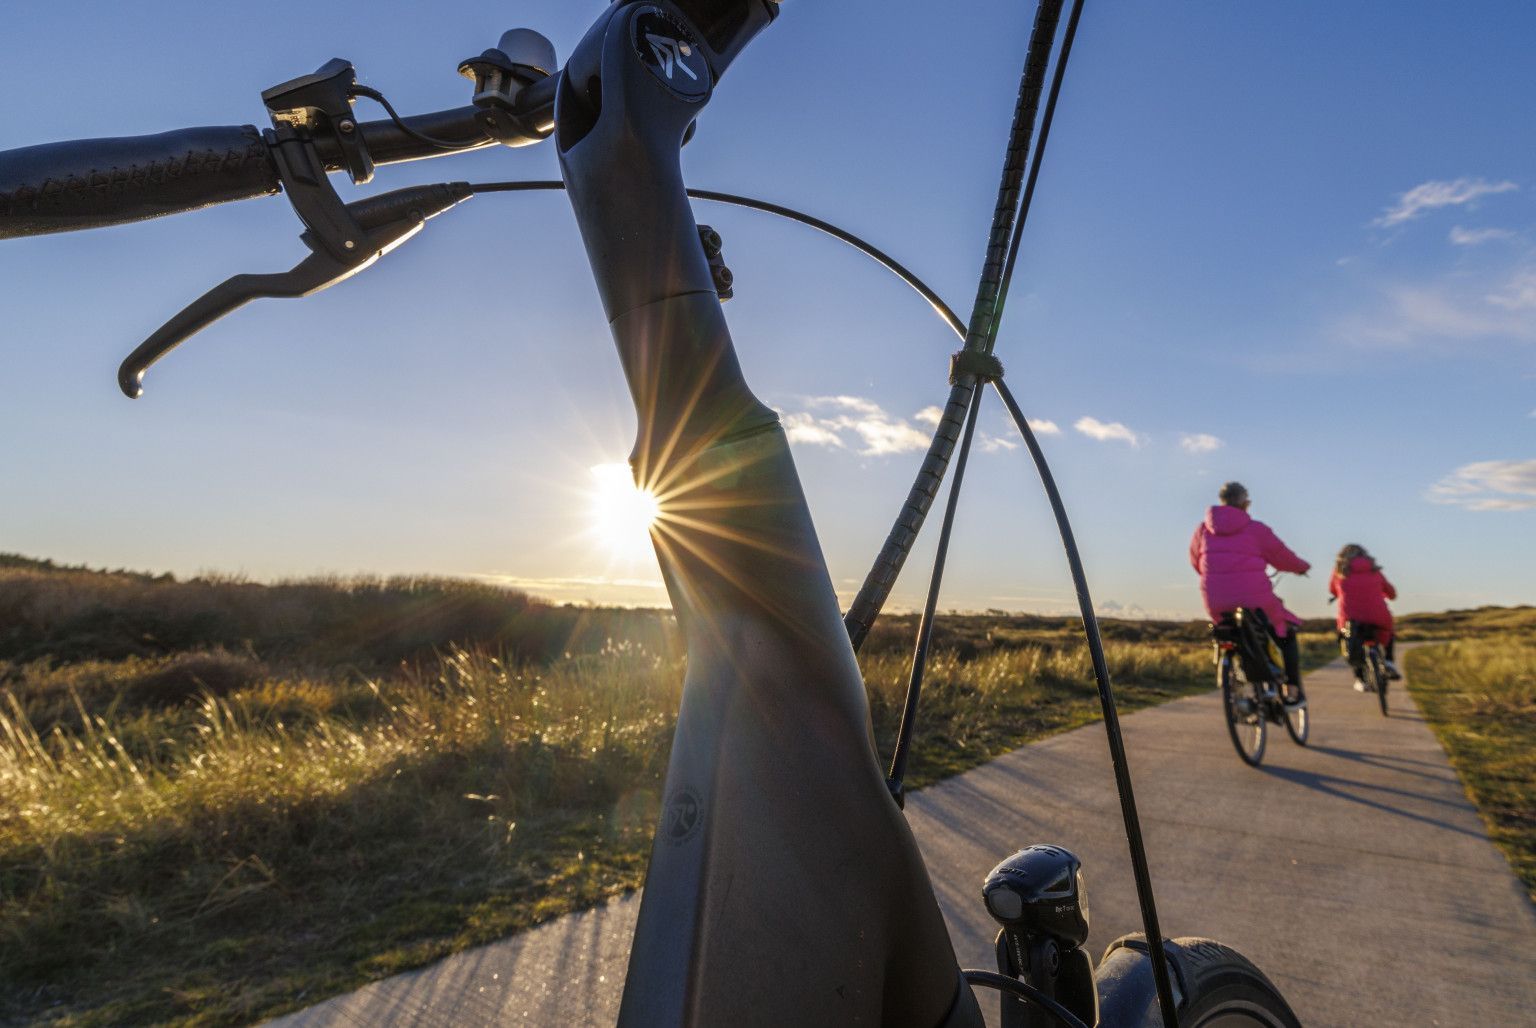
(774, 798)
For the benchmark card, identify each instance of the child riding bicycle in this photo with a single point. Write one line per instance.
(1362, 591)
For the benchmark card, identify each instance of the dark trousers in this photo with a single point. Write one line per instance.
(1290, 653)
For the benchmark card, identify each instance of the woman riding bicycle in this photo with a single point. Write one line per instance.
(1363, 592)
(1231, 551)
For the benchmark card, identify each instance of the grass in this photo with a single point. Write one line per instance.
(220, 801)
(1480, 697)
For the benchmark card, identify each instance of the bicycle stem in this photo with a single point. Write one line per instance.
(774, 797)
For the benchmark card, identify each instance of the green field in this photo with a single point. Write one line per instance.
(221, 800)
(1479, 694)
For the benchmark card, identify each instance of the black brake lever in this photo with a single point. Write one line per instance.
(387, 220)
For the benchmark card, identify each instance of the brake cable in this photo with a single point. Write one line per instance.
(421, 137)
(882, 258)
(993, 319)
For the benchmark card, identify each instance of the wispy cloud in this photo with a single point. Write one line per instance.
(1477, 236)
(1489, 485)
(862, 426)
(1042, 426)
(802, 427)
(1518, 293)
(1458, 309)
(994, 443)
(1428, 196)
(1200, 442)
(853, 422)
(1106, 431)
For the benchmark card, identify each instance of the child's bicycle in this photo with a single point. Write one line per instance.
(1364, 652)
(1253, 688)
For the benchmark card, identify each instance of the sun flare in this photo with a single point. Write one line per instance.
(622, 513)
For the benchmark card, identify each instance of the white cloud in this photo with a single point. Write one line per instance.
(1041, 426)
(1428, 196)
(994, 443)
(1200, 442)
(1489, 485)
(1104, 431)
(803, 427)
(1454, 308)
(1519, 293)
(856, 404)
(882, 436)
(1476, 236)
(877, 433)
(929, 416)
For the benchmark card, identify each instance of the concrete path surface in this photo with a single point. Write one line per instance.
(1355, 872)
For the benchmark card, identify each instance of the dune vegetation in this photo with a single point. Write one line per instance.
(221, 800)
(1479, 694)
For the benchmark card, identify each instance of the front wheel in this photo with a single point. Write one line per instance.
(1221, 987)
(1244, 706)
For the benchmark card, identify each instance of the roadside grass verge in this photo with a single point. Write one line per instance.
(272, 839)
(1480, 697)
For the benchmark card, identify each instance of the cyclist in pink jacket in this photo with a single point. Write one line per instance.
(1363, 591)
(1231, 552)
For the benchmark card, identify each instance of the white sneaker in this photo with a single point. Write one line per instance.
(1360, 685)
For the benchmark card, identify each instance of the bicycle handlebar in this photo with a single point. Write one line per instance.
(94, 183)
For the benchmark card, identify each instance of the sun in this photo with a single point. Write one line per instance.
(622, 513)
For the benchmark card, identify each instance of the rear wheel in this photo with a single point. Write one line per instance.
(1222, 988)
(1378, 674)
(1244, 706)
(1298, 722)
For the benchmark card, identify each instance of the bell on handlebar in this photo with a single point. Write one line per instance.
(500, 75)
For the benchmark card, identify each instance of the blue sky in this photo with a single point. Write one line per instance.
(1293, 244)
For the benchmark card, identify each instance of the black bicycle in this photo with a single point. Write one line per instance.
(1363, 649)
(785, 886)
(1254, 693)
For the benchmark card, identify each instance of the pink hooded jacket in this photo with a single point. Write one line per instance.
(1363, 594)
(1231, 551)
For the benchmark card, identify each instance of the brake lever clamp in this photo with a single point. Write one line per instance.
(322, 101)
(343, 238)
(381, 223)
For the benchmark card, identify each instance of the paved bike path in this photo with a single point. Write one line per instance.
(1355, 872)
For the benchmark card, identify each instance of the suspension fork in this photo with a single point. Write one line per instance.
(777, 835)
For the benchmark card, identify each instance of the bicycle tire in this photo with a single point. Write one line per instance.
(1298, 720)
(1379, 679)
(1220, 987)
(1239, 721)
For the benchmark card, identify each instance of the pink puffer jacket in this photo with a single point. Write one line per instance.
(1231, 551)
(1363, 594)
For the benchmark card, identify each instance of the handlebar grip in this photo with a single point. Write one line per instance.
(91, 183)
